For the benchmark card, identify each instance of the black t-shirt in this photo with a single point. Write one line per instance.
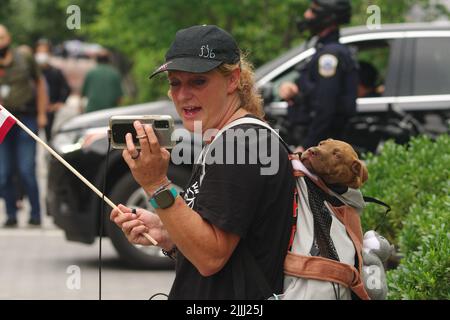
(239, 199)
(58, 87)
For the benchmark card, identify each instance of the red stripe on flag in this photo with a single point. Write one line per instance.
(6, 125)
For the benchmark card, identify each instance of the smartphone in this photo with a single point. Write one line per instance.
(163, 126)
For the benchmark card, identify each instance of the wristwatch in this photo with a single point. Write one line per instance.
(163, 198)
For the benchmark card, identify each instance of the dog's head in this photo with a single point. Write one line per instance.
(336, 163)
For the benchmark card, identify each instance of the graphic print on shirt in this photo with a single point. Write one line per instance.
(190, 194)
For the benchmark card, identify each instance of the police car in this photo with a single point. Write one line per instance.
(414, 82)
(414, 97)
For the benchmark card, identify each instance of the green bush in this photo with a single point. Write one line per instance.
(424, 221)
(415, 181)
(405, 177)
(424, 273)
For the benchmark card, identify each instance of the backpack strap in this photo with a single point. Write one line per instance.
(319, 268)
(244, 120)
(381, 203)
(248, 120)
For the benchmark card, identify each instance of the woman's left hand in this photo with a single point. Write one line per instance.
(149, 164)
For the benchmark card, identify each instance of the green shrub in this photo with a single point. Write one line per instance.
(424, 221)
(415, 181)
(405, 177)
(424, 273)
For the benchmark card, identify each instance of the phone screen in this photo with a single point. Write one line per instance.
(161, 128)
(119, 130)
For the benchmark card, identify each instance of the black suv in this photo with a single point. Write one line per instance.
(414, 64)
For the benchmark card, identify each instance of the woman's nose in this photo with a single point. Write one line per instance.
(184, 93)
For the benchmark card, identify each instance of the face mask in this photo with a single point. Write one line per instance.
(42, 58)
(319, 22)
(3, 51)
(312, 25)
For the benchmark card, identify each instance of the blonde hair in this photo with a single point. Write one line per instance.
(250, 99)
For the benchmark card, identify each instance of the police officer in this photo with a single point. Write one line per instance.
(323, 98)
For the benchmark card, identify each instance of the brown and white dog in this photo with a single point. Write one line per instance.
(336, 162)
(312, 277)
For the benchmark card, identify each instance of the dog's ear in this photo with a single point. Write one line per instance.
(361, 174)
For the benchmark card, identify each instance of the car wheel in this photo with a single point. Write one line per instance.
(128, 192)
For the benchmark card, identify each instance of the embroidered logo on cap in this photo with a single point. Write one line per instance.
(206, 53)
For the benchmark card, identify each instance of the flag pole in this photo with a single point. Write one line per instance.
(75, 172)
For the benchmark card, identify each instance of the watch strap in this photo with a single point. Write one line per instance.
(162, 187)
(152, 200)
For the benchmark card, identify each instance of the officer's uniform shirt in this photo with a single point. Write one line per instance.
(328, 88)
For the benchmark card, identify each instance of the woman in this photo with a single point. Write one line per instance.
(230, 232)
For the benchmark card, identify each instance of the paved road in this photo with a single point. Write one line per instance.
(38, 263)
(41, 264)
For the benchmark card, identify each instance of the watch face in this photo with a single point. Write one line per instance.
(164, 199)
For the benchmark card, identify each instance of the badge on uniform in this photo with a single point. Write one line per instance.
(327, 65)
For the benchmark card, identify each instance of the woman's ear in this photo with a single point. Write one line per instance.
(169, 94)
(234, 79)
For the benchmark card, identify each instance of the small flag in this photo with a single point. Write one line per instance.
(6, 122)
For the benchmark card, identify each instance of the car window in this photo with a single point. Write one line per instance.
(376, 54)
(432, 66)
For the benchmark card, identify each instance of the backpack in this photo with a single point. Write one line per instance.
(20, 81)
(309, 276)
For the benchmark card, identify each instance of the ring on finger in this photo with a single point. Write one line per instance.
(134, 157)
(141, 136)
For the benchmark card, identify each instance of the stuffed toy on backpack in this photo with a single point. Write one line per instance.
(376, 251)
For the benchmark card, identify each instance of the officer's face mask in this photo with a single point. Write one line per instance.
(313, 21)
(312, 25)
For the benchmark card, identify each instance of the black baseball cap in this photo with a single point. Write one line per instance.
(200, 49)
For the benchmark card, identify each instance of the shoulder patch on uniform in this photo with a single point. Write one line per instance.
(327, 65)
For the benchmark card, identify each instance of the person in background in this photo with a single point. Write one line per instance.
(57, 86)
(368, 80)
(27, 52)
(323, 98)
(102, 86)
(23, 92)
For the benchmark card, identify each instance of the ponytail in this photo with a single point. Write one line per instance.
(251, 100)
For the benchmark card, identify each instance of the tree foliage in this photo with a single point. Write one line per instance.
(143, 30)
(29, 20)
